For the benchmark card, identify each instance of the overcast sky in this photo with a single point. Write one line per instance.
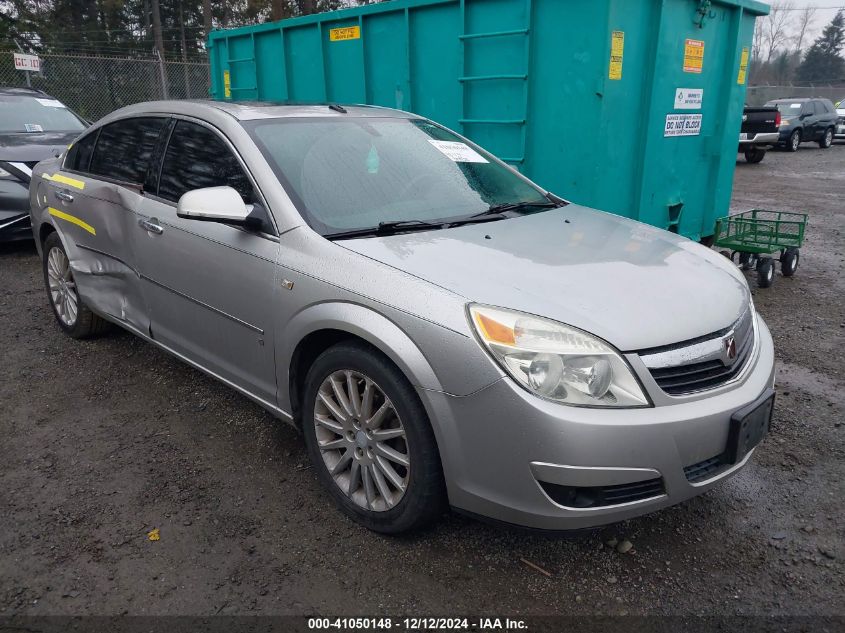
(824, 14)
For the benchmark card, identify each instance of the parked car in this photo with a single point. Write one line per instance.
(443, 330)
(840, 123)
(759, 132)
(33, 126)
(806, 120)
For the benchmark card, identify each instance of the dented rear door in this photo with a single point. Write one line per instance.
(93, 201)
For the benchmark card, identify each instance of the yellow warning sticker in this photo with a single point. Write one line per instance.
(72, 219)
(743, 67)
(227, 84)
(70, 182)
(617, 54)
(345, 33)
(693, 56)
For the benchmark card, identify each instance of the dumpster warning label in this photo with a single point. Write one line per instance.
(743, 67)
(617, 54)
(459, 152)
(693, 56)
(682, 125)
(227, 84)
(689, 98)
(345, 33)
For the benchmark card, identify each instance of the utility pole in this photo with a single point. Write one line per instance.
(159, 48)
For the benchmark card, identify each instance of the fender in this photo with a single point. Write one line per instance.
(359, 321)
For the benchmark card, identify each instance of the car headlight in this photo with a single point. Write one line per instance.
(4, 175)
(556, 361)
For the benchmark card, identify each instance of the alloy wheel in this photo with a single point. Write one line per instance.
(362, 440)
(62, 286)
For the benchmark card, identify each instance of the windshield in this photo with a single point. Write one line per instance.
(36, 114)
(355, 173)
(787, 109)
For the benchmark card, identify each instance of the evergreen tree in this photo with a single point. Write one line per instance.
(823, 61)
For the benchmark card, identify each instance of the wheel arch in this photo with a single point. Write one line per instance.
(321, 326)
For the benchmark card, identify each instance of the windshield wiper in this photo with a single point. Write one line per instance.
(498, 209)
(389, 228)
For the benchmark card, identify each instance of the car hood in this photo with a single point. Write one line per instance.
(34, 146)
(633, 285)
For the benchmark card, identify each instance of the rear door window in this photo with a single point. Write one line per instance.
(196, 158)
(124, 149)
(79, 155)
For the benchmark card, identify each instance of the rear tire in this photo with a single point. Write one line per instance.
(365, 475)
(755, 155)
(72, 315)
(827, 138)
(794, 141)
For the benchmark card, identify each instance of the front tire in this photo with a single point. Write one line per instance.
(71, 313)
(370, 440)
(827, 140)
(765, 272)
(794, 141)
(789, 261)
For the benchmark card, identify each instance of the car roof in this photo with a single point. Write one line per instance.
(22, 92)
(252, 110)
(799, 100)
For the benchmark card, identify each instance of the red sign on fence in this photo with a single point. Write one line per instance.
(27, 62)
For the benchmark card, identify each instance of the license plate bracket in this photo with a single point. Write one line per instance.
(749, 426)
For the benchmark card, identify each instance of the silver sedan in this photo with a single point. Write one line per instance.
(442, 330)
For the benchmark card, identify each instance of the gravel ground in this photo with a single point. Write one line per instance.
(105, 440)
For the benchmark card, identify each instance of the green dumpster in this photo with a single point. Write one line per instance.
(630, 106)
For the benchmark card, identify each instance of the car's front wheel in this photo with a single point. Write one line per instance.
(826, 140)
(71, 313)
(794, 141)
(370, 440)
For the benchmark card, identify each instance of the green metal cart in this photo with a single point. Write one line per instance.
(753, 236)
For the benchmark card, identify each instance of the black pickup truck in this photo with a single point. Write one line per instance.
(760, 132)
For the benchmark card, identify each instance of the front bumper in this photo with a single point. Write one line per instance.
(499, 444)
(14, 211)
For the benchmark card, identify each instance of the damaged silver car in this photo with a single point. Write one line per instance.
(442, 330)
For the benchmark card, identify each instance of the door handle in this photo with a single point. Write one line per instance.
(151, 226)
(64, 195)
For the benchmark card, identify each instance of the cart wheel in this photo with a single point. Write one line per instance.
(727, 254)
(765, 272)
(747, 261)
(789, 262)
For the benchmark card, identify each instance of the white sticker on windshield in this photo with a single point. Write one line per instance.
(458, 152)
(51, 103)
(794, 105)
(33, 127)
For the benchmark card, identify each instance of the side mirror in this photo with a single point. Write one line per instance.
(214, 204)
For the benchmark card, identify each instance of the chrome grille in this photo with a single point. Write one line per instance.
(703, 363)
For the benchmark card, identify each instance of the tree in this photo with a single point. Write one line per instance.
(805, 20)
(776, 27)
(823, 61)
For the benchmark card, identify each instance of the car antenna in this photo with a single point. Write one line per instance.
(337, 108)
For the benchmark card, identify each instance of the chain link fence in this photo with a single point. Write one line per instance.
(93, 86)
(759, 95)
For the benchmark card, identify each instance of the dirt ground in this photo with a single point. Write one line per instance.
(105, 440)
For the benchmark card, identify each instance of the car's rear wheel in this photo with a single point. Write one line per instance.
(71, 313)
(370, 440)
(827, 139)
(794, 141)
(755, 155)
